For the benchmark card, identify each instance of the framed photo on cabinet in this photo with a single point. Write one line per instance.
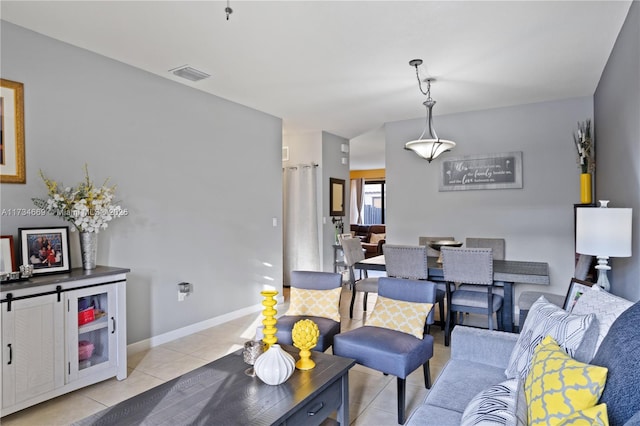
(46, 249)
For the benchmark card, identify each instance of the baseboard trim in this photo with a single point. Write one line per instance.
(160, 339)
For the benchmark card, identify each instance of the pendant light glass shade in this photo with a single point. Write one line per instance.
(432, 146)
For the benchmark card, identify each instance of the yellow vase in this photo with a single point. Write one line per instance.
(585, 188)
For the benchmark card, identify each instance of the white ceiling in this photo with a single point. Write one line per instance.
(342, 66)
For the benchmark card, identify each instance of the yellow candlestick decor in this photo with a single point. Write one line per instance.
(305, 335)
(269, 320)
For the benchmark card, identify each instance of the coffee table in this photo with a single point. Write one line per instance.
(221, 393)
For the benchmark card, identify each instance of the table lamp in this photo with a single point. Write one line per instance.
(603, 232)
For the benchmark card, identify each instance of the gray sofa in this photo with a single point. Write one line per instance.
(479, 358)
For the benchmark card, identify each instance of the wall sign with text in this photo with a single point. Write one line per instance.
(490, 171)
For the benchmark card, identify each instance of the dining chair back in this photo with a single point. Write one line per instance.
(496, 244)
(354, 253)
(410, 262)
(388, 350)
(424, 241)
(470, 266)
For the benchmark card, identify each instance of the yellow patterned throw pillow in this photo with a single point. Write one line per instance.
(558, 386)
(594, 416)
(315, 303)
(407, 317)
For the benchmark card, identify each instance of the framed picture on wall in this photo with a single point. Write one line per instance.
(12, 165)
(336, 197)
(47, 249)
(576, 289)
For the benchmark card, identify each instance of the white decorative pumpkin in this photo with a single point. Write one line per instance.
(274, 366)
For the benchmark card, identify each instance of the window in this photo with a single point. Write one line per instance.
(374, 202)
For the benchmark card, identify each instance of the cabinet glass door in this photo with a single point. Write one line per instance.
(92, 346)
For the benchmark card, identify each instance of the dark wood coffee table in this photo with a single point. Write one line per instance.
(220, 393)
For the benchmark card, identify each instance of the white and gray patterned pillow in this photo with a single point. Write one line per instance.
(546, 319)
(605, 306)
(501, 404)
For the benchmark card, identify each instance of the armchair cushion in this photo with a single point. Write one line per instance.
(547, 319)
(384, 350)
(407, 317)
(315, 303)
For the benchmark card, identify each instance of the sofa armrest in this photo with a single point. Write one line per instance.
(479, 345)
(380, 244)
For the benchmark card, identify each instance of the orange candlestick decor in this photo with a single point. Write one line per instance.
(269, 320)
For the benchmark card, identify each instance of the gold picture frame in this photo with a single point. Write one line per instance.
(336, 197)
(12, 164)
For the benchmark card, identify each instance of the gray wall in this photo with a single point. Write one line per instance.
(332, 167)
(617, 136)
(536, 221)
(201, 200)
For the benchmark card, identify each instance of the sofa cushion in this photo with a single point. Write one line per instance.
(594, 416)
(558, 386)
(460, 381)
(316, 303)
(606, 307)
(546, 319)
(620, 353)
(500, 404)
(400, 315)
(430, 415)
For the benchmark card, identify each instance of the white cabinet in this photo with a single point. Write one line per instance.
(61, 333)
(32, 350)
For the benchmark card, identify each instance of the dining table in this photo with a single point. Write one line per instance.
(507, 272)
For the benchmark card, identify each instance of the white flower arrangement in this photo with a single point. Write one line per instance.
(87, 207)
(584, 146)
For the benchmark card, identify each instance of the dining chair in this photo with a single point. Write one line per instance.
(498, 247)
(328, 327)
(354, 253)
(386, 348)
(431, 252)
(472, 266)
(410, 262)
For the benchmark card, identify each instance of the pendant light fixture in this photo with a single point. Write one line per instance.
(431, 146)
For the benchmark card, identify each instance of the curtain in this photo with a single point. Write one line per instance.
(300, 218)
(357, 199)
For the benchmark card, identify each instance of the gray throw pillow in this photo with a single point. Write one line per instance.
(620, 353)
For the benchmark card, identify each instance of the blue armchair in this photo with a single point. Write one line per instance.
(311, 280)
(391, 351)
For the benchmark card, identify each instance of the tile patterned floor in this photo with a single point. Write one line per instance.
(372, 395)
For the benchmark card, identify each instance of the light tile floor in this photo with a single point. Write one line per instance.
(372, 395)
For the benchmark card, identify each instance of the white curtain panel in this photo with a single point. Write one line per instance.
(301, 250)
(357, 200)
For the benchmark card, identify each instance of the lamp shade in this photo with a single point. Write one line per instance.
(603, 231)
(429, 148)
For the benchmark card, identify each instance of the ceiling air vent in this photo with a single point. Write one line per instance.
(189, 73)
